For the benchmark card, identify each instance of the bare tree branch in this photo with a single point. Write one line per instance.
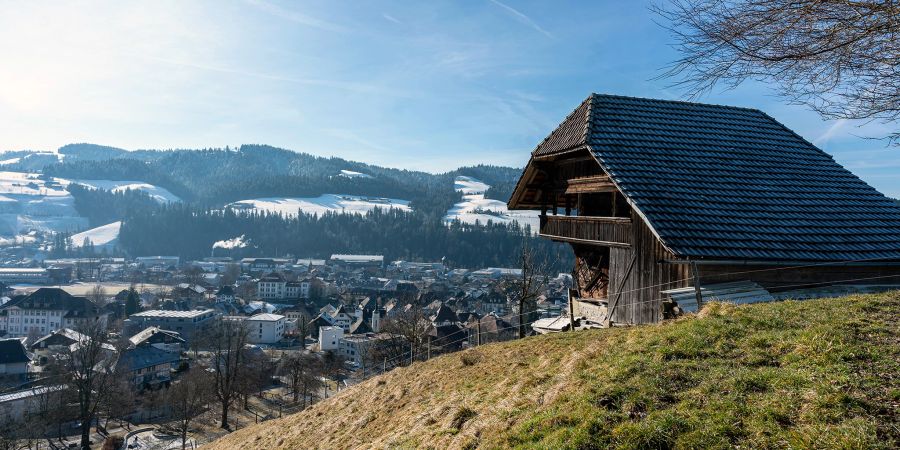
(840, 58)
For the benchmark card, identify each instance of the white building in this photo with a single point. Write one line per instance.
(19, 405)
(10, 275)
(46, 310)
(274, 287)
(358, 260)
(158, 261)
(330, 338)
(265, 328)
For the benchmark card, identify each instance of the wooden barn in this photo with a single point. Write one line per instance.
(667, 202)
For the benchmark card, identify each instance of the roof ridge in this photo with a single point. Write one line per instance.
(588, 122)
(680, 102)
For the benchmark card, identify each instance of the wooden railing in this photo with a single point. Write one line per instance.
(605, 231)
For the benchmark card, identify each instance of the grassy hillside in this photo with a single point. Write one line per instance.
(814, 374)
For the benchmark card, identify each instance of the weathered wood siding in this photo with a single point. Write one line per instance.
(640, 290)
(800, 275)
(604, 229)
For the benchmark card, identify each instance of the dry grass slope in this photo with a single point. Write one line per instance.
(814, 374)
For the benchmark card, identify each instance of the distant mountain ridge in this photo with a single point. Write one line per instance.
(221, 176)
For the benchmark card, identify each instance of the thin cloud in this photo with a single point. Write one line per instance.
(391, 18)
(344, 85)
(294, 16)
(833, 130)
(522, 18)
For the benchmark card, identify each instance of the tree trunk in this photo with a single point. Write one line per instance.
(86, 435)
(224, 423)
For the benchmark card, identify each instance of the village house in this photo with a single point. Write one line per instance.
(165, 340)
(664, 200)
(265, 328)
(18, 406)
(14, 360)
(46, 310)
(274, 286)
(55, 342)
(186, 323)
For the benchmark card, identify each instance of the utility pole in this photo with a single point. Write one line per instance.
(696, 274)
(478, 335)
(429, 347)
(573, 293)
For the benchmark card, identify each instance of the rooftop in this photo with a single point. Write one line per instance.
(173, 314)
(722, 182)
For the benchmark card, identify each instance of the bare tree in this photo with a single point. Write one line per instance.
(187, 398)
(231, 273)
(87, 367)
(304, 372)
(97, 295)
(256, 374)
(334, 367)
(531, 283)
(409, 329)
(225, 341)
(840, 58)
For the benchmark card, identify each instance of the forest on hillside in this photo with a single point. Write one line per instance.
(207, 180)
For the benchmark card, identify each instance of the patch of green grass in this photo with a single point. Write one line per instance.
(815, 374)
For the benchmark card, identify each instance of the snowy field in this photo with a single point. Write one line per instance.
(469, 185)
(476, 208)
(349, 204)
(29, 203)
(109, 287)
(159, 194)
(103, 236)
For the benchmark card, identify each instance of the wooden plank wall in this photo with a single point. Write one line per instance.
(800, 275)
(641, 297)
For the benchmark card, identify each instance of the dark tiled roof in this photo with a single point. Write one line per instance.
(444, 314)
(143, 357)
(570, 134)
(54, 299)
(360, 327)
(12, 351)
(724, 182)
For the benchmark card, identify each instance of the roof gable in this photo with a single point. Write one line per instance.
(571, 134)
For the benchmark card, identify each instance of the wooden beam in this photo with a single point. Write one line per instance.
(585, 241)
(586, 185)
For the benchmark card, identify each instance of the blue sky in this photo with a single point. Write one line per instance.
(420, 85)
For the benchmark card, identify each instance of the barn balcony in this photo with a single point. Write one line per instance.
(601, 231)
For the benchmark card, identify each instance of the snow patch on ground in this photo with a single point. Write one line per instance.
(469, 185)
(352, 174)
(10, 161)
(159, 194)
(475, 208)
(102, 236)
(338, 203)
(237, 242)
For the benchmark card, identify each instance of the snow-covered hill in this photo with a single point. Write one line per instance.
(159, 194)
(102, 236)
(476, 208)
(29, 202)
(339, 203)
